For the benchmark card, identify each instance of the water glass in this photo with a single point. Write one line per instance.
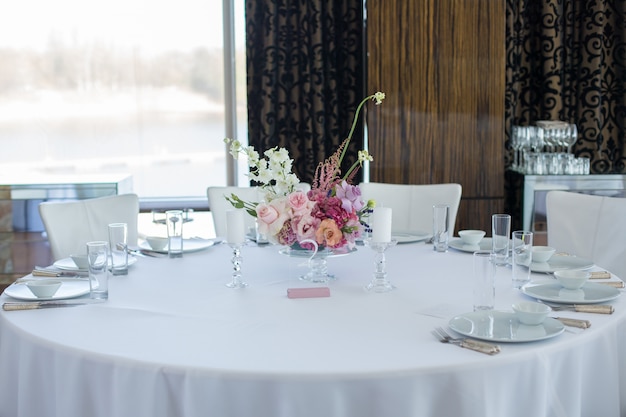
(118, 244)
(440, 227)
(484, 280)
(98, 258)
(500, 232)
(174, 222)
(522, 257)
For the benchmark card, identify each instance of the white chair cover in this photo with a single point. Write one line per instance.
(218, 205)
(412, 205)
(71, 224)
(590, 226)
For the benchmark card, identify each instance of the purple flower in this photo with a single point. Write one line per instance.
(350, 196)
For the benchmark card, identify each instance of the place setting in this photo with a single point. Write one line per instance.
(410, 236)
(471, 241)
(160, 245)
(30, 289)
(572, 287)
(74, 264)
(527, 321)
(556, 261)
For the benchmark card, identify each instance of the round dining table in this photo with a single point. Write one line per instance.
(173, 340)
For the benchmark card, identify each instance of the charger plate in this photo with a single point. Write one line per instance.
(410, 237)
(503, 327)
(189, 245)
(561, 262)
(67, 264)
(590, 293)
(68, 289)
(457, 243)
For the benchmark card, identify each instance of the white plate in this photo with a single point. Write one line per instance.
(68, 289)
(67, 264)
(189, 245)
(410, 237)
(590, 293)
(503, 326)
(457, 243)
(561, 262)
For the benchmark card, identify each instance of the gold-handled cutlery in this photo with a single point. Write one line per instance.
(616, 284)
(581, 324)
(583, 308)
(478, 346)
(56, 273)
(36, 305)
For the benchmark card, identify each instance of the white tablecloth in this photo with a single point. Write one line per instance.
(172, 340)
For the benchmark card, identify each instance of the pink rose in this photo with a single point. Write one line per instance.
(300, 203)
(271, 216)
(305, 226)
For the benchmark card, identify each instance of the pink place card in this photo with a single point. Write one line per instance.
(308, 292)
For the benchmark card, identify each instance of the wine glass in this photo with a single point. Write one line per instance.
(571, 137)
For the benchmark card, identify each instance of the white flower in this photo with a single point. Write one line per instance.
(379, 97)
(365, 156)
(253, 156)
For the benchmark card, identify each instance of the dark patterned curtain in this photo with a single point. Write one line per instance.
(566, 60)
(305, 77)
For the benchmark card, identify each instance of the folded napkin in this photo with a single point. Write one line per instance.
(552, 124)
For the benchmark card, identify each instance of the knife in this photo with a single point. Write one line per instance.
(54, 273)
(14, 306)
(586, 308)
(616, 284)
(581, 324)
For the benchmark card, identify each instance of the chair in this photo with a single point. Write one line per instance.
(218, 205)
(71, 224)
(412, 205)
(589, 226)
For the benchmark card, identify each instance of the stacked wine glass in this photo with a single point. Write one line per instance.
(546, 149)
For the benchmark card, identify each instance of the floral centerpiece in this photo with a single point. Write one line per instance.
(332, 213)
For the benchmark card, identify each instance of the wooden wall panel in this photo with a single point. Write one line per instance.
(441, 64)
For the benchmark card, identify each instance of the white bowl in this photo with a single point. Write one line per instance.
(80, 261)
(157, 243)
(531, 313)
(542, 253)
(44, 288)
(471, 237)
(572, 279)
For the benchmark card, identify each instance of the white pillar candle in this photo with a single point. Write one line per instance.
(380, 221)
(235, 233)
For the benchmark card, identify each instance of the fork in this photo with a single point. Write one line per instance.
(476, 345)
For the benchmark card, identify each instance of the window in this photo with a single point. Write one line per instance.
(116, 87)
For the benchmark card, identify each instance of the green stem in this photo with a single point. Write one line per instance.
(354, 122)
(352, 168)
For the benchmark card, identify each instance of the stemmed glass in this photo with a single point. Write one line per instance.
(571, 137)
(516, 145)
(379, 282)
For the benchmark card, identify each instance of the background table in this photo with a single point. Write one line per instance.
(173, 341)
